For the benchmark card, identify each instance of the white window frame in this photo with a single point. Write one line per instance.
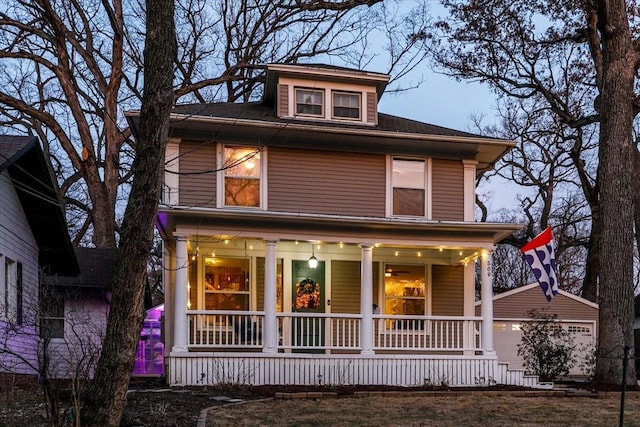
(9, 289)
(359, 97)
(427, 186)
(221, 175)
(323, 103)
(427, 285)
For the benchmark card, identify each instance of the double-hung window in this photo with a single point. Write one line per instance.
(242, 171)
(11, 291)
(346, 105)
(405, 289)
(52, 315)
(409, 185)
(309, 102)
(226, 283)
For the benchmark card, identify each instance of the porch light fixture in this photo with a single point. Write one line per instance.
(313, 261)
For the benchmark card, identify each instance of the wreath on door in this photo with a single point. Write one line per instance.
(308, 286)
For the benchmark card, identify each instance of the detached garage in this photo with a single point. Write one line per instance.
(510, 309)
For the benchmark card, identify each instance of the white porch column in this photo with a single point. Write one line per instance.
(270, 330)
(180, 295)
(366, 300)
(486, 308)
(469, 337)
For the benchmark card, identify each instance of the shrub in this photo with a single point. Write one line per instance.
(547, 348)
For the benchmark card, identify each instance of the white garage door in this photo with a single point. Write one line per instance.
(507, 335)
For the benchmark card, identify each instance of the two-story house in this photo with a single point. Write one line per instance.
(311, 239)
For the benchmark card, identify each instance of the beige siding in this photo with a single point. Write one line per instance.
(345, 286)
(517, 305)
(372, 105)
(447, 191)
(447, 289)
(260, 283)
(322, 182)
(197, 188)
(283, 100)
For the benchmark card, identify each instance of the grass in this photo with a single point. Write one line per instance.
(442, 410)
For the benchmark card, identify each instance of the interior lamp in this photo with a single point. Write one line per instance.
(313, 261)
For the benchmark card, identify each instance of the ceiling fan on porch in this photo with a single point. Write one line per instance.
(394, 273)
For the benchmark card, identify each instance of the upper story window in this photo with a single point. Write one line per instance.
(242, 170)
(310, 102)
(409, 185)
(346, 105)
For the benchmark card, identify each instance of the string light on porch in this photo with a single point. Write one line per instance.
(313, 261)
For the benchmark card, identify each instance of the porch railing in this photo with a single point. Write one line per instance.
(335, 332)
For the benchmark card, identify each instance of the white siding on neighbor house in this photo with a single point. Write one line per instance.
(17, 244)
(84, 327)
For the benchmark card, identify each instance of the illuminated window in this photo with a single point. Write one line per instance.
(409, 187)
(346, 105)
(499, 326)
(226, 283)
(404, 289)
(516, 327)
(242, 176)
(579, 329)
(309, 102)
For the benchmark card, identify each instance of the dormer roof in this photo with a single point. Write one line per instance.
(321, 72)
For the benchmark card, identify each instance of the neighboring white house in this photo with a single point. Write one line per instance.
(33, 238)
(510, 309)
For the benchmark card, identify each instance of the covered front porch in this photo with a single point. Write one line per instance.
(254, 311)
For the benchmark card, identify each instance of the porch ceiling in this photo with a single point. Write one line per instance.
(276, 225)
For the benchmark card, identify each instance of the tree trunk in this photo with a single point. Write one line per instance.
(106, 399)
(592, 263)
(616, 193)
(636, 195)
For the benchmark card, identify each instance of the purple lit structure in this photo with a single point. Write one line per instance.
(150, 355)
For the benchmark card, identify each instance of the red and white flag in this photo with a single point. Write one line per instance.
(539, 255)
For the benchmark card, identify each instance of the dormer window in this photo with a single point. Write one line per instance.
(310, 102)
(346, 105)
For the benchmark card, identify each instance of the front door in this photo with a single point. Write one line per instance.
(308, 297)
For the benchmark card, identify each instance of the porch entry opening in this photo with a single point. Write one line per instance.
(308, 291)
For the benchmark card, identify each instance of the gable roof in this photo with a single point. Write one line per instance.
(516, 303)
(38, 193)
(535, 285)
(96, 269)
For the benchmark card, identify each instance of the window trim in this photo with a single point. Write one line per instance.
(427, 183)
(346, 118)
(221, 176)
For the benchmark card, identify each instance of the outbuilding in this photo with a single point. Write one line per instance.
(510, 309)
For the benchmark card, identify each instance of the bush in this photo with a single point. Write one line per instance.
(547, 348)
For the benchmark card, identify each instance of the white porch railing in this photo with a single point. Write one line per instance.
(225, 328)
(432, 333)
(334, 332)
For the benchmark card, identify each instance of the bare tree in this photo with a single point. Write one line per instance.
(71, 68)
(106, 399)
(520, 49)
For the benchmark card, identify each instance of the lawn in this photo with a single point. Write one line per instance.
(440, 410)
